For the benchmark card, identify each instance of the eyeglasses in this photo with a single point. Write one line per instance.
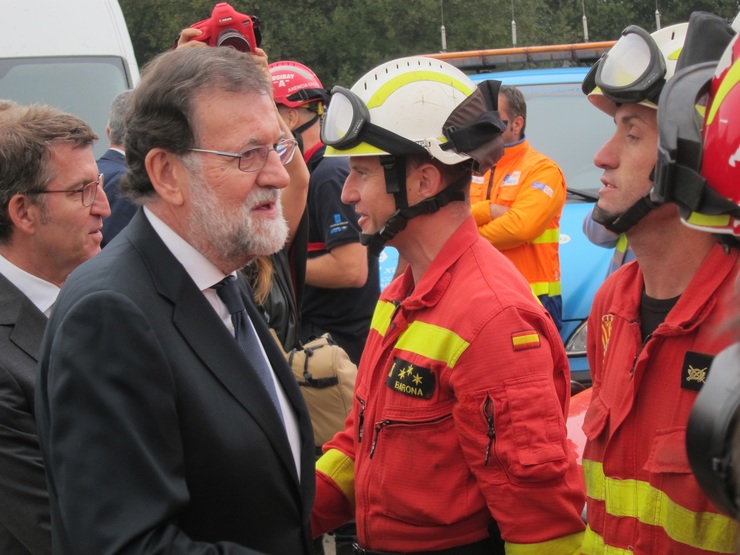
(254, 158)
(88, 192)
(632, 71)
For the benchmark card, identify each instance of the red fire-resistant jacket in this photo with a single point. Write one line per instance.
(459, 414)
(642, 496)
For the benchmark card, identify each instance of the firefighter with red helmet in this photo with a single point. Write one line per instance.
(654, 326)
(456, 442)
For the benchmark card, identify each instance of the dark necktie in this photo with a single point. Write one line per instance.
(246, 337)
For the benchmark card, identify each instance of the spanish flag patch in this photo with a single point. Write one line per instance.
(527, 339)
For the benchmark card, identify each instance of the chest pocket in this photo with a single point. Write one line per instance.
(668, 454)
(596, 419)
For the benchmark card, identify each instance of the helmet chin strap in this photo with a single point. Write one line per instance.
(624, 222)
(395, 179)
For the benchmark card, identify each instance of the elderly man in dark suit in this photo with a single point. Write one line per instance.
(52, 211)
(112, 164)
(168, 417)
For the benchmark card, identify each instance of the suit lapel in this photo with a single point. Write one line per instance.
(203, 330)
(28, 321)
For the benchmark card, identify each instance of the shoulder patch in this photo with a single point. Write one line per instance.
(543, 187)
(410, 379)
(526, 339)
(695, 370)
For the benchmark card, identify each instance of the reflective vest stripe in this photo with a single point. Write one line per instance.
(430, 341)
(382, 317)
(341, 469)
(566, 544)
(550, 288)
(651, 506)
(548, 236)
(620, 252)
(433, 342)
(593, 544)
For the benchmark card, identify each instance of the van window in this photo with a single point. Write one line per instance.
(562, 124)
(83, 86)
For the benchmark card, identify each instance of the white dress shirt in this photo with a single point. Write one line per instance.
(205, 275)
(40, 292)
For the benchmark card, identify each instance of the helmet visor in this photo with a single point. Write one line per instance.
(344, 119)
(632, 71)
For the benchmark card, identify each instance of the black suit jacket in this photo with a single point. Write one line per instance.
(113, 166)
(24, 504)
(158, 435)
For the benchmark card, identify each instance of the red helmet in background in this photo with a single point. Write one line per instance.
(721, 161)
(698, 165)
(294, 85)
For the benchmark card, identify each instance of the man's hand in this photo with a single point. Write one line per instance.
(497, 210)
(187, 38)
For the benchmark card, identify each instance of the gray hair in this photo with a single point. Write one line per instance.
(116, 118)
(161, 111)
(516, 105)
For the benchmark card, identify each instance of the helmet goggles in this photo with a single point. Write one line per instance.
(632, 71)
(347, 124)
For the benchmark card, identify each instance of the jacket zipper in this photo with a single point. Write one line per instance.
(642, 347)
(385, 423)
(488, 415)
(361, 419)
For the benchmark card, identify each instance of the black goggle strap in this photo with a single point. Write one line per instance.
(691, 192)
(632, 215)
(397, 221)
(309, 123)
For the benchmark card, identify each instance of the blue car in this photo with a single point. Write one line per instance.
(562, 124)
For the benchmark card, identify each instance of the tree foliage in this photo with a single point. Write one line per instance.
(341, 40)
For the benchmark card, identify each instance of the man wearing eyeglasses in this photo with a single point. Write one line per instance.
(53, 207)
(168, 417)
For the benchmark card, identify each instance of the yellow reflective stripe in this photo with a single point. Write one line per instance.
(382, 316)
(341, 470)
(433, 342)
(548, 236)
(363, 149)
(622, 243)
(651, 506)
(705, 220)
(566, 544)
(392, 86)
(593, 544)
(430, 341)
(731, 78)
(550, 288)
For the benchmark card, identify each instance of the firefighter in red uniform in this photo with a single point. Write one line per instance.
(458, 426)
(655, 323)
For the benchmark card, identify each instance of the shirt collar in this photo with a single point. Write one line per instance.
(41, 293)
(201, 270)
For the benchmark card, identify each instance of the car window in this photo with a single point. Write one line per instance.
(562, 124)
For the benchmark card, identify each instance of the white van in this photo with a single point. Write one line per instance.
(74, 55)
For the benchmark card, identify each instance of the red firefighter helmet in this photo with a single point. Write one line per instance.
(294, 84)
(721, 161)
(698, 164)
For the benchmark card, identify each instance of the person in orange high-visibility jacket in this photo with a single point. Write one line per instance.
(656, 323)
(456, 443)
(517, 206)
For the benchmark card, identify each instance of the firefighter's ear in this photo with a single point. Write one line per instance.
(425, 181)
